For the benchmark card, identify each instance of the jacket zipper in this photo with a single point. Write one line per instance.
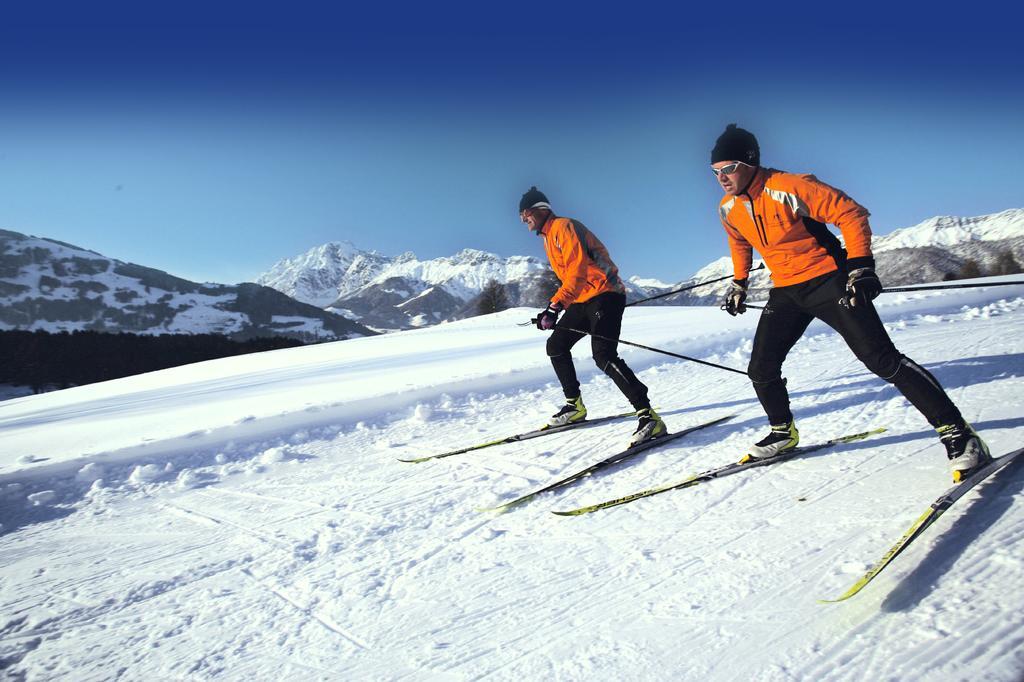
(761, 229)
(758, 222)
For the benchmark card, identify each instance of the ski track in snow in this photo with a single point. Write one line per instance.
(313, 553)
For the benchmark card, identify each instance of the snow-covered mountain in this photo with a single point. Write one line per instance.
(323, 274)
(951, 231)
(53, 286)
(933, 250)
(403, 292)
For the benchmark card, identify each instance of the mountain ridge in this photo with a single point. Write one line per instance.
(404, 292)
(55, 286)
(51, 285)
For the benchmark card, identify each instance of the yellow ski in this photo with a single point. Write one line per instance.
(944, 502)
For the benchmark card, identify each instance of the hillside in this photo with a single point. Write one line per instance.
(247, 518)
(52, 286)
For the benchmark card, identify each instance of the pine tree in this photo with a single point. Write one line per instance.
(969, 269)
(545, 290)
(1006, 264)
(493, 298)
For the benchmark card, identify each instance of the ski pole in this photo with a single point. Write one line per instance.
(940, 287)
(898, 290)
(656, 350)
(687, 288)
(936, 287)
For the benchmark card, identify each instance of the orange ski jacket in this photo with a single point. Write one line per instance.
(783, 216)
(580, 262)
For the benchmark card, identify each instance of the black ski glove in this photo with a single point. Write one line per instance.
(862, 284)
(734, 301)
(547, 318)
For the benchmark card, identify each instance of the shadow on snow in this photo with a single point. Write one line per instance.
(993, 499)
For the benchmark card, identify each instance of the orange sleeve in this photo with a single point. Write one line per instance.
(574, 266)
(742, 252)
(827, 204)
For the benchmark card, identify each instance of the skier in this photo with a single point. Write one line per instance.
(783, 216)
(592, 298)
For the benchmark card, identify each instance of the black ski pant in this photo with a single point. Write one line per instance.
(783, 321)
(601, 315)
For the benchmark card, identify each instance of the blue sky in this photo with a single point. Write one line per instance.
(211, 141)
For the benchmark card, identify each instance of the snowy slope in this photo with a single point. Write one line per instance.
(247, 518)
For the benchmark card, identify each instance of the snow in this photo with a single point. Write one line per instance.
(335, 270)
(425, 292)
(104, 291)
(203, 315)
(721, 267)
(952, 230)
(314, 276)
(247, 518)
(649, 282)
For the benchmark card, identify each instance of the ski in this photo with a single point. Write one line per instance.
(930, 516)
(614, 459)
(718, 472)
(543, 431)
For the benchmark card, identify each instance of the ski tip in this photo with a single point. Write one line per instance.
(843, 597)
(414, 461)
(574, 512)
(500, 509)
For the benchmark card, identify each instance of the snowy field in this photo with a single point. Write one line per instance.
(247, 518)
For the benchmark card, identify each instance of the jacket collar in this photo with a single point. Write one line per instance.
(757, 183)
(546, 227)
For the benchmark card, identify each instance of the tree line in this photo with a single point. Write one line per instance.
(44, 361)
(1005, 264)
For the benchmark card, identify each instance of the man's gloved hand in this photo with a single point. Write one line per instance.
(734, 301)
(862, 284)
(548, 317)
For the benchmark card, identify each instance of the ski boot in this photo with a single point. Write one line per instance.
(782, 438)
(573, 411)
(965, 449)
(650, 427)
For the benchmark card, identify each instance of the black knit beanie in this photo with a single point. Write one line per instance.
(532, 197)
(736, 144)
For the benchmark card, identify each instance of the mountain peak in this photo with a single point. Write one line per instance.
(952, 230)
